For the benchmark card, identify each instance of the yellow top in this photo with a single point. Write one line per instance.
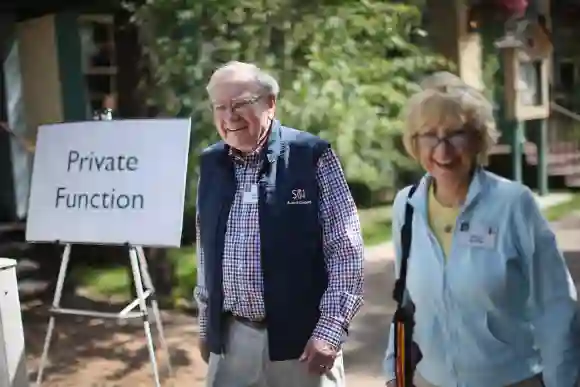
(441, 220)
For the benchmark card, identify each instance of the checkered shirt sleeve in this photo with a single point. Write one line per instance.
(343, 250)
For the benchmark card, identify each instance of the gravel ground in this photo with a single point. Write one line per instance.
(97, 353)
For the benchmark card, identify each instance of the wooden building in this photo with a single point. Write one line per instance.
(541, 153)
(61, 61)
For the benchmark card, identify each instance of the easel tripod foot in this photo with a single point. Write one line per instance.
(145, 291)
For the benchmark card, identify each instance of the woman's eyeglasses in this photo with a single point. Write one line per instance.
(458, 139)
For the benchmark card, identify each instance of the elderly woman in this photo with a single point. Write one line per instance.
(495, 304)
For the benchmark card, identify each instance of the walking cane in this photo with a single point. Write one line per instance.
(407, 353)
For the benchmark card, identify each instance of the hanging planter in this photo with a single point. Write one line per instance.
(512, 8)
(497, 10)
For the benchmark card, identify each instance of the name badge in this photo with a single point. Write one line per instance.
(482, 237)
(250, 194)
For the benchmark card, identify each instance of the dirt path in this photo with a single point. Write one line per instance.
(96, 353)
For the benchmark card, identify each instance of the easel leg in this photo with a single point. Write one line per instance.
(133, 255)
(55, 304)
(154, 306)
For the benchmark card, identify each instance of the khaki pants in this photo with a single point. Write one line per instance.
(532, 382)
(246, 364)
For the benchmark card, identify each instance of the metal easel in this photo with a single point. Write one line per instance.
(145, 291)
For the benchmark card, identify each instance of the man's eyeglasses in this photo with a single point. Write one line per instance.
(236, 107)
(458, 139)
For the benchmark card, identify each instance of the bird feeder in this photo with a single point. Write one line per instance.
(526, 55)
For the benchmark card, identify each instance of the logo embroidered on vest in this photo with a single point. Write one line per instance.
(299, 197)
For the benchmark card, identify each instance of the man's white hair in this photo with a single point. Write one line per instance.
(265, 81)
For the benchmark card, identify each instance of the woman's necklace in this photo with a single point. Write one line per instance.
(445, 223)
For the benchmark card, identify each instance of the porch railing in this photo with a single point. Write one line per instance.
(564, 144)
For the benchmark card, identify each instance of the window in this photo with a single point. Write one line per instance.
(530, 83)
(99, 61)
(566, 77)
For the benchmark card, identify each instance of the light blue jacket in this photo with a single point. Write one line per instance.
(503, 308)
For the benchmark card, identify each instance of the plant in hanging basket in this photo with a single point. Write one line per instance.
(512, 8)
(498, 10)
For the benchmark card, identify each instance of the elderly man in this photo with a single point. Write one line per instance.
(280, 251)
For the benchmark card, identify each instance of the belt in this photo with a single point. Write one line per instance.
(256, 324)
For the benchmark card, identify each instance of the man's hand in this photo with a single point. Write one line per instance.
(319, 356)
(203, 350)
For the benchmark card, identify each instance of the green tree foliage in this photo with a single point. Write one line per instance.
(345, 67)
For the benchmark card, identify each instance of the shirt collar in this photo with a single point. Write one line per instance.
(476, 186)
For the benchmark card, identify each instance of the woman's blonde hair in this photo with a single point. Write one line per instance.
(445, 99)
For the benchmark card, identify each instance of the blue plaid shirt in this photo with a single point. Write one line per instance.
(342, 242)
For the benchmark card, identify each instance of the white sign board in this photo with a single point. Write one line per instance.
(109, 182)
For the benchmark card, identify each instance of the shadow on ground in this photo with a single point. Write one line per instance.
(96, 352)
(88, 350)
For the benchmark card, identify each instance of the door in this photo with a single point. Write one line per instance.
(7, 193)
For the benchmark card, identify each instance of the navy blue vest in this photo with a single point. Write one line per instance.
(293, 267)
